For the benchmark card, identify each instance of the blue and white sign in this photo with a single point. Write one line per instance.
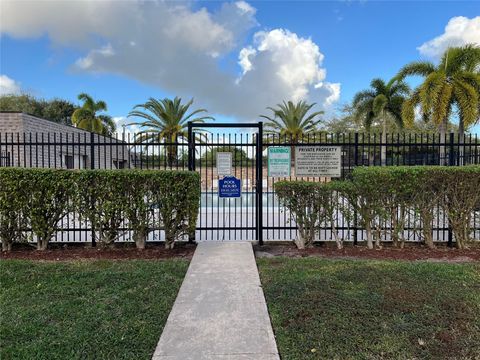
(229, 187)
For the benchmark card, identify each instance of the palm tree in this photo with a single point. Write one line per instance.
(453, 83)
(86, 116)
(291, 120)
(382, 102)
(166, 120)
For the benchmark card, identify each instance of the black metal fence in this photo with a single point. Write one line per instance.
(257, 214)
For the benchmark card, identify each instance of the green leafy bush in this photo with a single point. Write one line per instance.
(50, 200)
(13, 204)
(382, 197)
(102, 200)
(310, 203)
(40, 198)
(178, 195)
(423, 190)
(110, 197)
(139, 213)
(112, 201)
(460, 189)
(364, 198)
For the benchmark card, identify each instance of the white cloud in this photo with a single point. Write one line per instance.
(459, 31)
(179, 49)
(8, 86)
(244, 59)
(245, 7)
(87, 62)
(284, 66)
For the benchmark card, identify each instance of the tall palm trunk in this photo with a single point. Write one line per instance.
(172, 151)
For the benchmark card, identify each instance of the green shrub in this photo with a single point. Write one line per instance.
(50, 200)
(178, 195)
(383, 197)
(39, 198)
(460, 190)
(139, 213)
(425, 189)
(102, 199)
(310, 203)
(110, 196)
(364, 198)
(111, 200)
(13, 198)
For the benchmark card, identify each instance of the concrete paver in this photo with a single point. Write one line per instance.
(220, 311)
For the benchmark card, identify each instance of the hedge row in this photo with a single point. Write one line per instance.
(385, 194)
(38, 199)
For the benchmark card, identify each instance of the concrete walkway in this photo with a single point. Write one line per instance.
(220, 311)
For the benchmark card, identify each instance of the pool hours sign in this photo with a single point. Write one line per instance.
(318, 161)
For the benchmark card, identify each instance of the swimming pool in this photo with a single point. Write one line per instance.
(210, 199)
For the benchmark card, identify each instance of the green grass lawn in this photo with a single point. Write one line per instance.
(85, 309)
(361, 309)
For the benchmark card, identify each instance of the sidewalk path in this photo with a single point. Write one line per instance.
(220, 311)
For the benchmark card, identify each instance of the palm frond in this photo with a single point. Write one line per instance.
(421, 68)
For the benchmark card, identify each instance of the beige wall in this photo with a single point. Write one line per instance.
(29, 141)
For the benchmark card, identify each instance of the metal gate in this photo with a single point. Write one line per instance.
(228, 218)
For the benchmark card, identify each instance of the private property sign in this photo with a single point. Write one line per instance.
(279, 161)
(318, 161)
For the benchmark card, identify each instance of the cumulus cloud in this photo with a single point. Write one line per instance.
(282, 65)
(459, 31)
(8, 86)
(179, 48)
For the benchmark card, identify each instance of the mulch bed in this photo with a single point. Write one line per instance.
(182, 250)
(410, 253)
(80, 251)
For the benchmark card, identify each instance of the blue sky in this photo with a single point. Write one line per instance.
(320, 51)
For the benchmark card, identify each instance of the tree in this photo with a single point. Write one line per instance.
(453, 83)
(86, 116)
(291, 120)
(382, 102)
(166, 120)
(57, 110)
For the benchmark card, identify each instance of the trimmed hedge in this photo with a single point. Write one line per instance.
(112, 201)
(311, 203)
(385, 194)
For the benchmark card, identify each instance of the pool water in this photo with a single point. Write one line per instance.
(246, 200)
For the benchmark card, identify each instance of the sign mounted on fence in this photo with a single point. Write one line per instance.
(224, 163)
(229, 187)
(318, 161)
(279, 158)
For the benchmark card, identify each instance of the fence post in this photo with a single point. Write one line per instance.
(259, 186)
(355, 219)
(451, 162)
(92, 166)
(451, 157)
(191, 148)
(191, 165)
